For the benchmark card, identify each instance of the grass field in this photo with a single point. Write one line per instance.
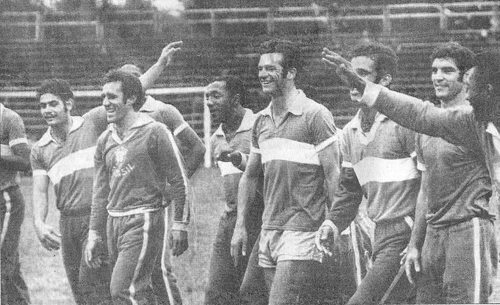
(44, 273)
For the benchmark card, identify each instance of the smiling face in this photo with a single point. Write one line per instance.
(365, 67)
(114, 103)
(271, 74)
(219, 101)
(54, 110)
(446, 79)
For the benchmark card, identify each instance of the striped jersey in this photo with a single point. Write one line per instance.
(382, 161)
(457, 178)
(241, 142)
(131, 173)
(70, 165)
(295, 197)
(12, 132)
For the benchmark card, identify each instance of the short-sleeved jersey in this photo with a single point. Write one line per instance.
(383, 161)
(12, 132)
(164, 113)
(457, 177)
(131, 173)
(241, 142)
(294, 193)
(70, 165)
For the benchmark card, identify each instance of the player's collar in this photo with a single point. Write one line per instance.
(246, 124)
(47, 137)
(296, 107)
(141, 121)
(379, 117)
(491, 128)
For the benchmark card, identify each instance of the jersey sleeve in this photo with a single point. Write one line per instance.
(323, 129)
(100, 189)
(97, 116)
(38, 166)
(170, 164)
(420, 153)
(457, 126)
(14, 128)
(348, 193)
(173, 119)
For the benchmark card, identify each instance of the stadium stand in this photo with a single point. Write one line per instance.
(78, 55)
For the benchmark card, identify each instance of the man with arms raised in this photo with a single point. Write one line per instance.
(377, 162)
(64, 156)
(295, 147)
(474, 129)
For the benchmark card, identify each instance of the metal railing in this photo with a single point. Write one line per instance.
(33, 24)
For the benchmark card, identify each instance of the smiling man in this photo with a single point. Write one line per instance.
(135, 157)
(377, 163)
(231, 146)
(294, 146)
(453, 207)
(476, 130)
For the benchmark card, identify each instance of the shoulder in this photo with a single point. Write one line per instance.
(11, 117)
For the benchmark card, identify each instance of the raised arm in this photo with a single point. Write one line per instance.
(150, 76)
(457, 126)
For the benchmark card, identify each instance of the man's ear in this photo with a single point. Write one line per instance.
(131, 100)
(69, 104)
(385, 80)
(236, 100)
(291, 73)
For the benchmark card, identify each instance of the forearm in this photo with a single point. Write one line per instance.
(194, 158)
(346, 201)
(151, 75)
(420, 225)
(247, 191)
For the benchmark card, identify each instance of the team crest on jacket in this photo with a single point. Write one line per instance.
(119, 166)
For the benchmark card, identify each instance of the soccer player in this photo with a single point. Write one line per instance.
(135, 157)
(453, 207)
(377, 162)
(14, 157)
(231, 146)
(193, 151)
(473, 129)
(64, 156)
(294, 145)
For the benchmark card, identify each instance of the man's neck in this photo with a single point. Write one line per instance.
(367, 118)
(60, 132)
(124, 125)
(234, 122)
(281, 104)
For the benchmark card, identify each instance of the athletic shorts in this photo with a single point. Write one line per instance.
(277, 245)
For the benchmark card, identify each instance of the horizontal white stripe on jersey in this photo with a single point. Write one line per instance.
(346, 164)
(326, 143)
(373, 169)
(227, 168)
(421, 166)
(40, 172)
(141, 210)
(5, 150)
(78, 160)
(288, 150)
(18, 141)
(181, 127)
